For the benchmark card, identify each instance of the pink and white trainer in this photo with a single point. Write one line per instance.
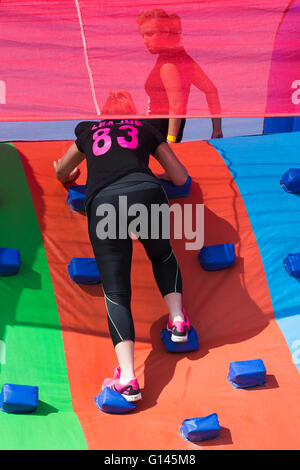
(179, 329)
(130, 391)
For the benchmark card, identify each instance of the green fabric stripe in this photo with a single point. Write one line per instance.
(32, 351)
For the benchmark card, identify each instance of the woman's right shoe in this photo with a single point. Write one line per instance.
(179, 329)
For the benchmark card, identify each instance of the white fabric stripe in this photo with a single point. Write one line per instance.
(86, 57)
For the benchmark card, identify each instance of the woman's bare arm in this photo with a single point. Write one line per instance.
(66, 166)
(173, 167)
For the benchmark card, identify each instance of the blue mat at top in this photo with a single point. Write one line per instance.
(195, 129)
(257, 164)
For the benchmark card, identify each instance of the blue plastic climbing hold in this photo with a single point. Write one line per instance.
(18, 398)
(247, 374)
(292, 264)
(84, 271)
(76, 198)
(110, 401)
(10, 261)
(201, 429)
(290, 181)
(216, 257)
(173, 191)
(171, 346)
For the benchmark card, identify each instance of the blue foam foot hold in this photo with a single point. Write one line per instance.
(173, 191)
(76, 198)
(200, 429)
(216, 257)
(10, 261)
(292, 264)
(290, 181)
(247, 374)
(190, 345)
(110, 401)
(18, 398)
(84, 271)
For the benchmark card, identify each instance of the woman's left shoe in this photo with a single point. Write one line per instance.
(130, 391)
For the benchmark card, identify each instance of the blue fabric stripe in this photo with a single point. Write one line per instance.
(257, 164)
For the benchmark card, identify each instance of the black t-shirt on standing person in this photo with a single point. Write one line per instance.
(115, 148)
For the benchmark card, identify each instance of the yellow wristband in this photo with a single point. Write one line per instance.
(172, 138)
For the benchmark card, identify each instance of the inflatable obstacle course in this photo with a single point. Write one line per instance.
(260, 404)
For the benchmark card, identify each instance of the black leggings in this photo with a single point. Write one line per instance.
(114, 256)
